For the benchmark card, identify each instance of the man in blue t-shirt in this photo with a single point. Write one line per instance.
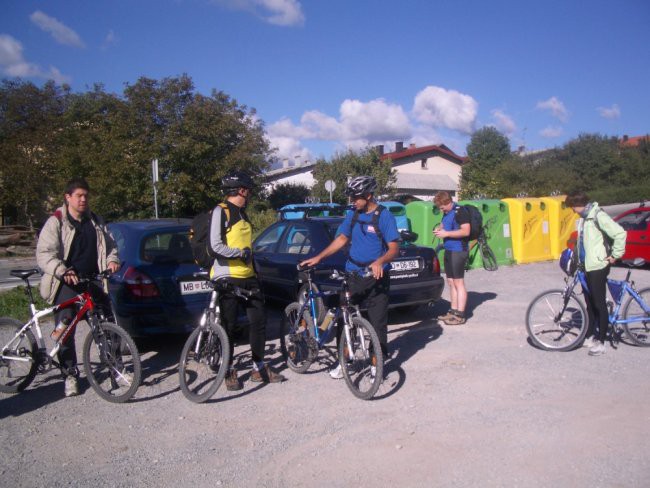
(454, 230)
(371, 249)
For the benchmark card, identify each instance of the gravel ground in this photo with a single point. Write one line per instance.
(474, 405)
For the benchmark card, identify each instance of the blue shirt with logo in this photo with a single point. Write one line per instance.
(366, 246)
(452, 220)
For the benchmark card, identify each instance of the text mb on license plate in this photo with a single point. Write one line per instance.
(190, 287)
(405, 265)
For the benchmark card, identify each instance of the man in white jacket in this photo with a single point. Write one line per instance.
(74, 242)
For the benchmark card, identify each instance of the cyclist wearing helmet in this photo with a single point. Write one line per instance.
(231, 239)
(371, 249)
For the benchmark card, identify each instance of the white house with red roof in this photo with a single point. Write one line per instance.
(421, 171)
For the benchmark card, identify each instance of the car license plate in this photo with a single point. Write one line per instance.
(405, 265)
(191, 287)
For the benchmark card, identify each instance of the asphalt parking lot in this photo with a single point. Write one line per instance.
(473, 405)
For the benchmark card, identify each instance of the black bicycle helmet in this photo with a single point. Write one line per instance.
(235, 180)
(361, 185)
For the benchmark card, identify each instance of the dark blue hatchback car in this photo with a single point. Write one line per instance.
(414, 278)
(154, 292)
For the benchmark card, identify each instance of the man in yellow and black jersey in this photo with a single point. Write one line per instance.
(231, 239)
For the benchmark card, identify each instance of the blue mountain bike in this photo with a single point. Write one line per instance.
(556, 320)
(304, 334)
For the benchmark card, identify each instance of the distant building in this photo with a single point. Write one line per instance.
(421, 171)
(634, 141)
(300, 174)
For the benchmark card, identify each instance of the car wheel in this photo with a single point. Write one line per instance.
(320, 306)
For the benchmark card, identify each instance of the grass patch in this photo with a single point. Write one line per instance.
(14, 303)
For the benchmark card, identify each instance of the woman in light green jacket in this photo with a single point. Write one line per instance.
(601, 241)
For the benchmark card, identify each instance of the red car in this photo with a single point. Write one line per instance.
(637, 224)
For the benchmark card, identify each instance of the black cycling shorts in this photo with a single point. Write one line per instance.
(455, 264)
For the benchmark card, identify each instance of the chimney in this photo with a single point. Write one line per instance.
(285, 163)
(412, 145)
(625, 138)
(380, 149)
(399, 146)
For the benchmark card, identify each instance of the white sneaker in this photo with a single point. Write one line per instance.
(589, 342)
(598, 349)
(337, 373)
(71, 386)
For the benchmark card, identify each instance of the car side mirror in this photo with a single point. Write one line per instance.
(408, 236)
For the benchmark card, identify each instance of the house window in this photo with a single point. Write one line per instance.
(423, 164)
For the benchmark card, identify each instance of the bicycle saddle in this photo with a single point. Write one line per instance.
(24, 273)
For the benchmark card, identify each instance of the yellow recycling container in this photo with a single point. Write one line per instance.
(562, 221)
(530, 230)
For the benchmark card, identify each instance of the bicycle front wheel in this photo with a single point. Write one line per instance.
(112, 363)
(488, 257)
(16, 374)
(361, 359)
(555, 322)
(638, 331)
(204, 362)
(297, 340)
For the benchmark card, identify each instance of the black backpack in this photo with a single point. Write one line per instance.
(200, 237)
(475, 221)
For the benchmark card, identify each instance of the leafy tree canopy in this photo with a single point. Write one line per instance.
(350, 164)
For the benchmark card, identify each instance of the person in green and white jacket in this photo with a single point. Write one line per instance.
(594, 227)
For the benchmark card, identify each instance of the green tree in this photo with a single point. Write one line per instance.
(287, 194)
(30, 124)
(350, 164)
(488, 148)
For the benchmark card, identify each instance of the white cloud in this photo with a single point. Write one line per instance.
(504, 122)
(109, 40)
(288, 148)
(277, 12)
(446, 108)
(613, 112)
(13, 63)
(551, 132)
(61, 33)
(373, 121)
(555, 107)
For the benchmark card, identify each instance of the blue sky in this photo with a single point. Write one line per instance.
(326, 75)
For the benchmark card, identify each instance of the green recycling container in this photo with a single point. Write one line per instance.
(496, 222)
(422, 217)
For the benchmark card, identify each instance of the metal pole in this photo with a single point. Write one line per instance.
(155, 199)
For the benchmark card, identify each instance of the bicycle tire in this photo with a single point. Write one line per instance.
(638, 332)
(15, 376)
(357, 371)
(113, 366)
(297, 338)
(552, 333)
(488, 257)
(203, 365)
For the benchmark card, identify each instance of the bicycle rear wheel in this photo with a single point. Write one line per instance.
(204, 362)
(16, 375)
(489, 259)
(638, 332)
(112, 363)
(361, 359)
(555, 323)
(297, 340)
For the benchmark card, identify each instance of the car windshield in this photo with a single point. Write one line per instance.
(333, 229)
(635, 221)
(167, 247)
